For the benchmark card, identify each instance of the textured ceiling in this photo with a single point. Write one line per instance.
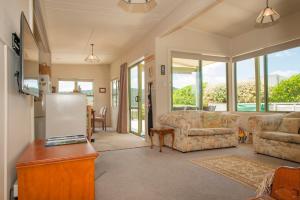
(73, 24)
(231, 18)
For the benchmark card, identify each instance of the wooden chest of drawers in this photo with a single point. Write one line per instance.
(56, 173)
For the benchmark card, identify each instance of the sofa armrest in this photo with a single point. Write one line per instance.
(260, 123)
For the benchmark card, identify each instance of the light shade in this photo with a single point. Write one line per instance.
(267, 15)
(137, 6)
(92, 59)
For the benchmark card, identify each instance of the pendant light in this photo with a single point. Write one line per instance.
(267, 15)
(92, 59)
(137, 6)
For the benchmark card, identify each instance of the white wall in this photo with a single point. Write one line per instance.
(287, 29)
(16, 109)
(98, 73)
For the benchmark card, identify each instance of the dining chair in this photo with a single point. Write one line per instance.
(101, 117)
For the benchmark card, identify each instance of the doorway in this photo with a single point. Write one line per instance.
(136, 87)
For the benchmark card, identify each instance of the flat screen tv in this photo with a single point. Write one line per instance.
(29, 54)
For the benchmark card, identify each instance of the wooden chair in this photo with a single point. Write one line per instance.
(102, 117)
(285, 185)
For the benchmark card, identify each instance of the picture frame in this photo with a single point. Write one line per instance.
(102, 90)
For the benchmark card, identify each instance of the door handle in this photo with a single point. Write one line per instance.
(137, 99)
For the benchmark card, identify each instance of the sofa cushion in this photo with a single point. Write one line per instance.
(212, 120)
(280, 136)
(268, 122)
(194, 118)
(210, 131)
(290, 125)
(230, 120)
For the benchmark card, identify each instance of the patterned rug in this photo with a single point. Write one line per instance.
(240, 169)
(111, 141)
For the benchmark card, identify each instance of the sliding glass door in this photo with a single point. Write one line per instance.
(137, 99)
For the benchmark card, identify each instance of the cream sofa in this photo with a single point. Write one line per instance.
(277, 135)
(199, 130)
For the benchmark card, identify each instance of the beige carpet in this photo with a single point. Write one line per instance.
(110, 141)
(240, 169)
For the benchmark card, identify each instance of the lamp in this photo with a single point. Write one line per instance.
(137, 6)
(267, 15)
(92, 59)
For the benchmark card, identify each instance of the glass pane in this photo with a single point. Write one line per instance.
(185, 83)
(86, 87)
(115, 92)
(66, 86)
(134, 122)
(284, 80)
(246, 91)
(262, 81)
(143, 104)
(214, 86)
(134, 92)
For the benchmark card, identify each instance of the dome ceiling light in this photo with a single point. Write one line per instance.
(137, 6)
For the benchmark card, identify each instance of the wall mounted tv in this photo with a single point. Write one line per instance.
(29, 55)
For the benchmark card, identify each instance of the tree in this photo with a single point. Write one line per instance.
(246, 92)
(217, 94)
(184, 96)
(286, 91)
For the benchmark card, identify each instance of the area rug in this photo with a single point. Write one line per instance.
(240, 169)
(110, 141)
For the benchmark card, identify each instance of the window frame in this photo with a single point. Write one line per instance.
(199, 100)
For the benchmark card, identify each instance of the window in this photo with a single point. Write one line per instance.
(199, 84)
(214, 75)
(284, 80)
(272, 79)
(250, 85)
(84, 87)
(115, 93)
(185, 84)
(66, 86)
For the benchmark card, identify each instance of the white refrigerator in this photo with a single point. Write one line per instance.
(66, 114)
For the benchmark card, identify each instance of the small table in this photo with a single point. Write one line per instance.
(161, 133)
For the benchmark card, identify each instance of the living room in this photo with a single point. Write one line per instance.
(212, 84)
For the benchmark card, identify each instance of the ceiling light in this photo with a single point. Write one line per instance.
(267, 15)
(92, 59)
(137, 6)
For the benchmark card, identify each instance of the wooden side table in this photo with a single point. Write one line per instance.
(161, 133)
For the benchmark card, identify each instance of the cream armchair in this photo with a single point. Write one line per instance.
(199, 130)
(277, 135)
